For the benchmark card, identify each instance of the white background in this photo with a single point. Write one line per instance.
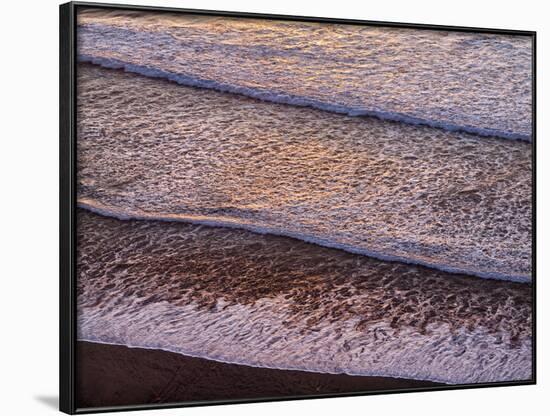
(29, 204)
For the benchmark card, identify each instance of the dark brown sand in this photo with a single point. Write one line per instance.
(112, 375)
(179, 263)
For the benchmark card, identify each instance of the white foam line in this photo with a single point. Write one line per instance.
(388, 374)
(239, 224)
(281, 98)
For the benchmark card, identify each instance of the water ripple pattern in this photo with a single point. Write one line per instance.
(459, 81)
(321, 197)
(157, 150)
(268, 301)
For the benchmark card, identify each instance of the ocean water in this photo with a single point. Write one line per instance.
(268, 301)
(448, 79)
(385, 189)
(330, 198)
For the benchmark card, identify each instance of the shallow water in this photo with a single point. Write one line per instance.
(205, 143)
(262, 300)
(452, 79)
(153, 149)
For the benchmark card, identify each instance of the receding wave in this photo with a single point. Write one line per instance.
(283, 98)
(394, 190)
(269, 194)
(266, 301)
(241, 223)
(473, 82)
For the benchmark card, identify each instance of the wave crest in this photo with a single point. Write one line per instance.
(294, 100)
(242, 223)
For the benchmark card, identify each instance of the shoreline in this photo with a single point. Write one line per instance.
(96, 207)
(300, 102)
(115, 375)
(241, 297)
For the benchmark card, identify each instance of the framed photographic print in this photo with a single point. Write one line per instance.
(259, 207)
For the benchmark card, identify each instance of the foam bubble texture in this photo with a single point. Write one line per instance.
(478, 82)
(153, 149)
(261, 300)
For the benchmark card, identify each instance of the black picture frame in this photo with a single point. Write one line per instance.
(67, 202)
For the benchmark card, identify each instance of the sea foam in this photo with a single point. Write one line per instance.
(289, 99)
(394, 191)
(264, 301)
(472, 82)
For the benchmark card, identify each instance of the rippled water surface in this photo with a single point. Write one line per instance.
(472, 81)
(155, 149)
(268, 301)
(330, 198)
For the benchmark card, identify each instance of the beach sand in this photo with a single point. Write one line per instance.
(301, 221)
(268, 301)
(113, 375)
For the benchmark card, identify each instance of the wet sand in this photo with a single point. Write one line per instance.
(275, 302)
(152, 149)
(247, 234)
(113, 375)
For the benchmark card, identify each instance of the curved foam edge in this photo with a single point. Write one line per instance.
(389, 374)
(215, 221)
(280, 98)
(215, 336)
